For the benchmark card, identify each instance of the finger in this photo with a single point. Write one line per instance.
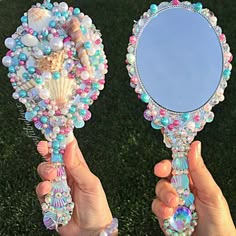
(46, 171)
(85, 179)
(163, 169)
(161, 210)
(79, 153)
(201, 177)
(43, 150)
(166, 193)
(42, 189)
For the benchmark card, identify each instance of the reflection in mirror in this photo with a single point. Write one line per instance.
(179, 60)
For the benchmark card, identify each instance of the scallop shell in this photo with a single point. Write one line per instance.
(180, 163)
(29, 40)
(58, 202)
(39, 18)
(50, 220)
(60, 171)
(42, 148)
(38, 125)
(180, 181)
(188, 200)
(26, 85)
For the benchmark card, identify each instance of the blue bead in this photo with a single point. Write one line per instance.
(56, 158)
(31, 70)
(55, 144)
(29, 116)
(85, 100)
(60, 137)
(65, 14)
(76, 11)
(39, 80)
(45, 33)
(56, 151)
(22, 57)
(25, 75)
(72, 109)
(145, 98)
(155, 126)
(87, 45)
(79, 124)
(227, 73)
(56, 75)
(154, 8)
(24, 19)
(52, 24)
(165, 121)
(95, 86)
(47, 51)
(11, 69)
(82, 112)
(58, 14)
(186, 116)
(197, 6)
(22, 93)
(83, 29)
(44, 119)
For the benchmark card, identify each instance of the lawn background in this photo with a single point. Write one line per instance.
(118, 144)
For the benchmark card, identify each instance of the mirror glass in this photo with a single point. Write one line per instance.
(179, 60)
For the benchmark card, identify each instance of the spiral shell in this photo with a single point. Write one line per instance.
(39, 18)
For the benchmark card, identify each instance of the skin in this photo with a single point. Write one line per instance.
(91, 213)
(211, 206)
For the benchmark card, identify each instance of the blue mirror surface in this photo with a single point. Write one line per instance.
(179, 60)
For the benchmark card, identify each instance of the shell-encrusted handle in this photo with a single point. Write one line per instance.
(58, 205)
(184, 220)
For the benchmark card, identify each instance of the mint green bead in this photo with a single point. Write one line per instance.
(60, 137)
(145, 98)
(22, 93)
(155, 126)
(39, 80)
(154, 8)
(165, 121)
(56, 75)
(44, 119)
(76, 11)
(31, 70)
(72, 109)
(227, 73)
(87, 45)
(186, 116)
(197, 6)
(82, 112)
(95, 86)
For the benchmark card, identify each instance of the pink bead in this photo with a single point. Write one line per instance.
(62, 151)
(176, 123)
(86, 106)
(12, 80)
(79, 91)
(58, 112)
(162, 112)
(71, 76)
(139, 96)
(231, 58)
(9, 53)
(62, 131)
(22, 63)
(45, 113)
(133, 40)
(94, 97)
(222, 38)
(47, 101)
(102, 81)
(70, 53)
(86, 90)
(35, 119)
(71, 9)
(175, 2)
(30, 31)
(98, 41)
(67, 130)
(170, 127)
(68, 39)
(134, 80)
(106, 66)
(197, 118)
(88, 81)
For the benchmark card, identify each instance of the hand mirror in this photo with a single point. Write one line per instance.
(179, 64)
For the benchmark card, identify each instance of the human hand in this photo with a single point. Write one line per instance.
(91, 213)
(211, 206)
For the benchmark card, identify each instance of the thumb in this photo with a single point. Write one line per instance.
(201, 177)
(80, 173)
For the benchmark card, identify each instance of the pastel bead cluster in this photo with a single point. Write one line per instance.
(179, 129)
(57, 80)
(111, 228)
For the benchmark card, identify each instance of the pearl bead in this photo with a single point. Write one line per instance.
(56, 44)
(10, 43)
(87, 22)
(103, 233)
(63, 7)
(56, 129)
(84, 75)
(38, 54)
(7, 61)
(44, 94)
(46, 75)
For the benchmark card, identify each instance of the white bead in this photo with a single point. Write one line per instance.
(191, 125)
(46, 75)
(64, 73)
(56, 129)
(63, 7)
(85, 75)
(91, 51)
(7, 61)
(44, 93)
(15, 95)
(10, 43)
(87, 22)
(103, 233)
(80, 105)
(56, 44)
(38, 54)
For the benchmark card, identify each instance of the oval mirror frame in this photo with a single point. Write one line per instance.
(179, 129)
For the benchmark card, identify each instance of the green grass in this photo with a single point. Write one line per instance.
(118, 144)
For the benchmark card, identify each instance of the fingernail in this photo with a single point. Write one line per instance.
(199, 149)
(171, 199)
(48, 169)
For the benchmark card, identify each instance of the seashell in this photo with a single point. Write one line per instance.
(87, 116)
(180, 181)
(42, 148)
(26, 85)
(58, 200)
(39, 18)
(60, 171)
(188, 201)
(51, 63)
(180, 163)
(50, 220)
(29, 40)
(38, 125)
(61, 90)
